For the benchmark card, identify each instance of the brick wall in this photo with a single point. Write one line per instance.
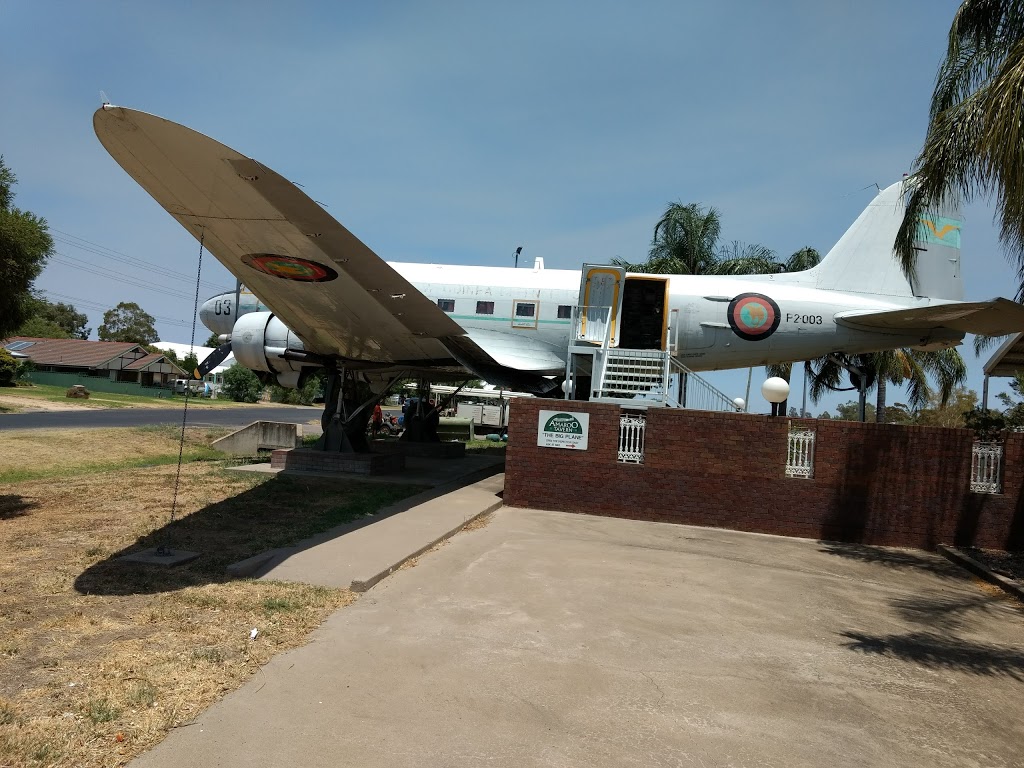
(873, 483)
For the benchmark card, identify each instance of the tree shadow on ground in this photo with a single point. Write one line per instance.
(277, 513)
(935, 651)
(940, 615)
(14, 505)
(949, 613)
(896, 558)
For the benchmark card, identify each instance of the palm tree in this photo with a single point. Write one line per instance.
(895, 366)
(685, 242)
(976, 125)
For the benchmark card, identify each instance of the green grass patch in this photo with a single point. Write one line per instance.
(142, 693)
(486, 447)
(160, 398)
(274, 605)
(210, 654)
(101, 711)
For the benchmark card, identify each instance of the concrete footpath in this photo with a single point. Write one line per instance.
(552, 639)
(358, 555)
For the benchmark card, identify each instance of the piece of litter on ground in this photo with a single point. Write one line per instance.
(253, 633)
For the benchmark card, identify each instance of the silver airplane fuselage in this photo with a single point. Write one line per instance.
(524, 317)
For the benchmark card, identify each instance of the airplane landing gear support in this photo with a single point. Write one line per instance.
(344, 423)
(421, 424)
(344, 420)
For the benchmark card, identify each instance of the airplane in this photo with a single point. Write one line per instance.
(326, 300)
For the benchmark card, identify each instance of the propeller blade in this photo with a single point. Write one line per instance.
(212, 360)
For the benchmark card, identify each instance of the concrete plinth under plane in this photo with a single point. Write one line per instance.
(306, 460)
(446, 450)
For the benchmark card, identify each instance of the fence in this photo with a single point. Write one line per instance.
(800, 454)
(986, 461)
(95, 383)
(632, 431)
(986, 468)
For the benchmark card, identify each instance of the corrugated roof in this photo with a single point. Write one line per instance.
(1008, 359)
(77, 353)
(150, 359)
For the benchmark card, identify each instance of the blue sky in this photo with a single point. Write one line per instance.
(453, 132)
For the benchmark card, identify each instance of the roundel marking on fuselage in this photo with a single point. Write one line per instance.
(753, 316)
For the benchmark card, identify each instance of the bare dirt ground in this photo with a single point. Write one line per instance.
(38, 404)
(98, 659)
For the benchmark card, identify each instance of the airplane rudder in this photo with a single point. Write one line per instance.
(938, 247)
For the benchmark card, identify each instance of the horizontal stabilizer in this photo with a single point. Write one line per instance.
(996, 317)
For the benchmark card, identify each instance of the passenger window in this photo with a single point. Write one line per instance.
(448, 305)
(485, 307)
(525, 315)
(564, 311)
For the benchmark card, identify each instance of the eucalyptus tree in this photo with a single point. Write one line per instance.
(25, 246)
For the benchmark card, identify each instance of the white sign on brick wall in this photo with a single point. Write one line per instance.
(562, 429)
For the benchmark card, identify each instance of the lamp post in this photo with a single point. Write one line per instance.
(775, 391)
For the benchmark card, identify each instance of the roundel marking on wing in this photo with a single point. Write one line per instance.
(289, 267)
(753, 316)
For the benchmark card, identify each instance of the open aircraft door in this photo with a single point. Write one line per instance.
(600, 303)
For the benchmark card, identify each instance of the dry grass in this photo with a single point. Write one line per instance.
(98, 660)
(36, 453)
(478, 522)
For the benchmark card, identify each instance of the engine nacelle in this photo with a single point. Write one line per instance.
(259, 340)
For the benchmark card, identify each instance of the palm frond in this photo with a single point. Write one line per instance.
(804, 259)
(981, 343)
(976, 125)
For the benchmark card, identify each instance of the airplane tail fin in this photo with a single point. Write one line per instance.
(863, 260)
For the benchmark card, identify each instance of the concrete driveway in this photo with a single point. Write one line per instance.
(549, 639)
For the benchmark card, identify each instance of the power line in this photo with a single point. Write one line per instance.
(96, 306)
(92, 269)
(109, 253)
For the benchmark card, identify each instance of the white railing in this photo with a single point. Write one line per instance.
(698, 394)
(632, 428)
(800, 455)
(986, 468)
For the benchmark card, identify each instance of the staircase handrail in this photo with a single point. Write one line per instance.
(705, 396)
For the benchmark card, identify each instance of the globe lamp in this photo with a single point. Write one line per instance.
(775, 389)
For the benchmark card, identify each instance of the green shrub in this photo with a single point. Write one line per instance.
(8, 368)
(242, 385)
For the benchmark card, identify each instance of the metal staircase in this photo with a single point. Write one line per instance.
(627, 373)
(600, 372)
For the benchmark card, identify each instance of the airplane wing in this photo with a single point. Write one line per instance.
(316, 276)
(991, 318)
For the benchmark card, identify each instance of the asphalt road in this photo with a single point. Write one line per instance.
(138, 417)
